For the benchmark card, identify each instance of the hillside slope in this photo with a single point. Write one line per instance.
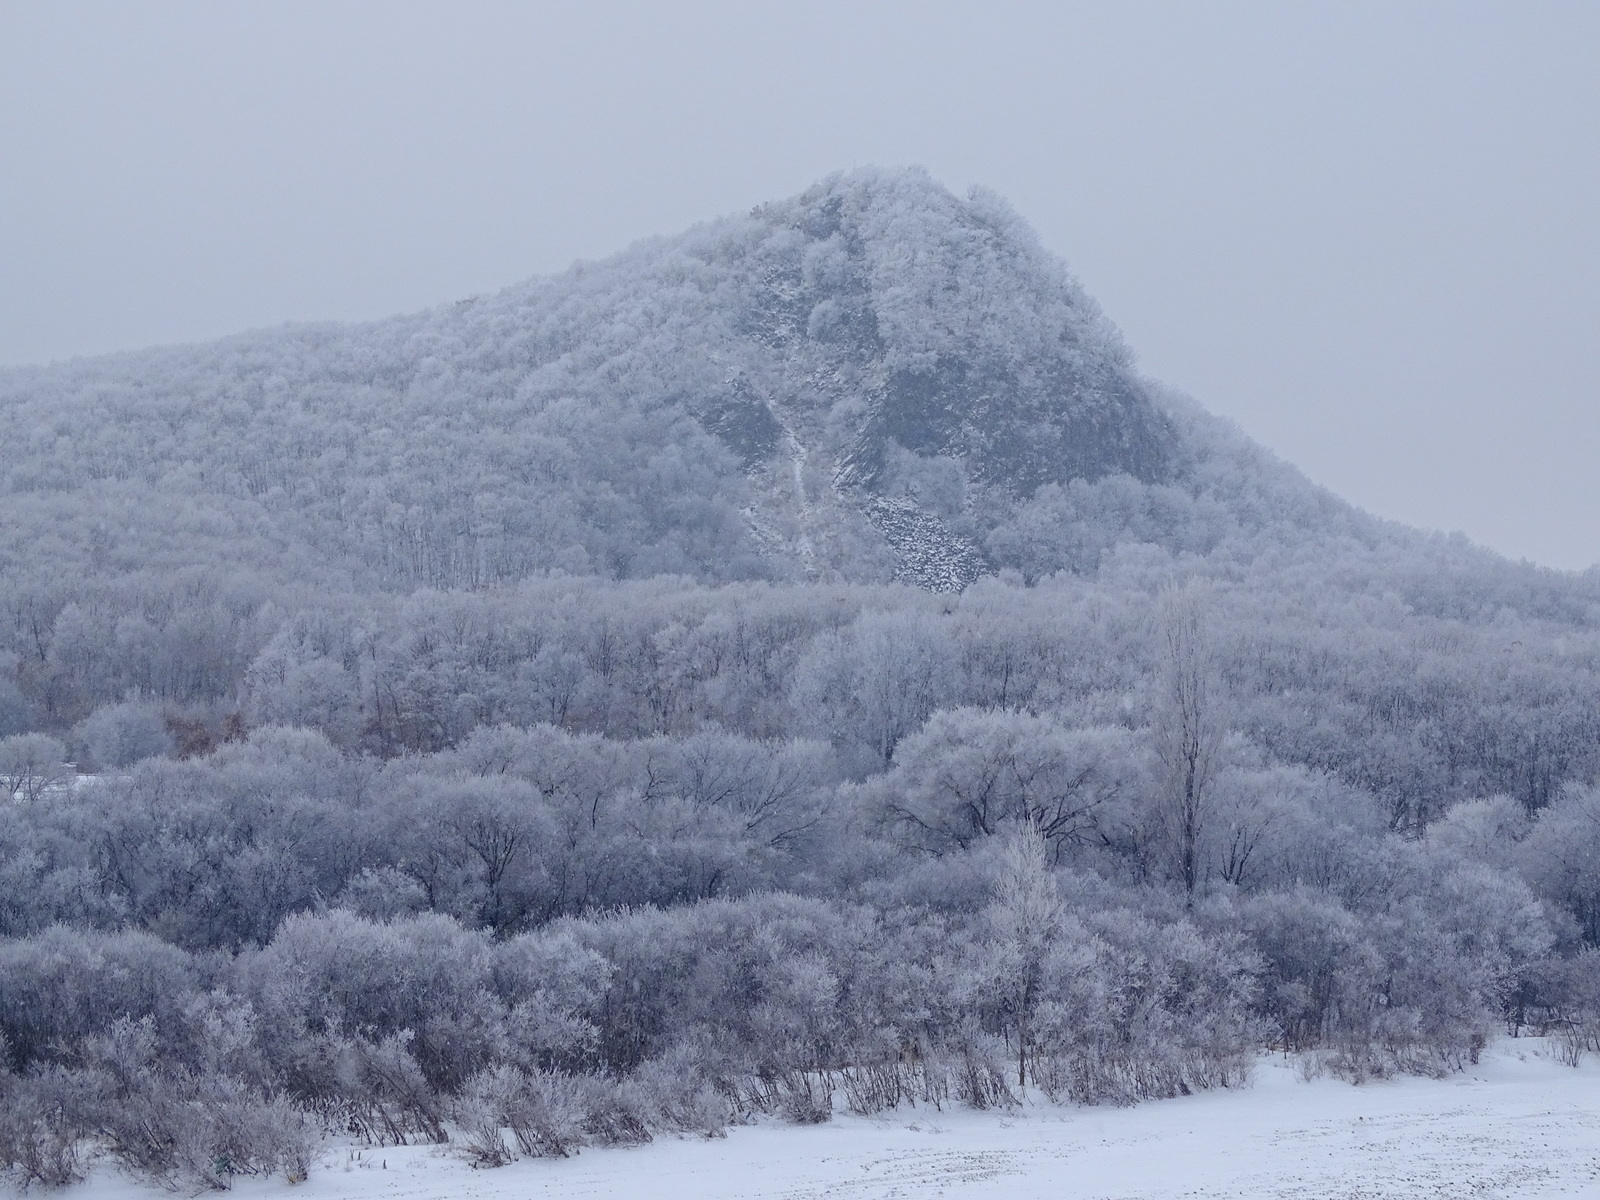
(872, 380)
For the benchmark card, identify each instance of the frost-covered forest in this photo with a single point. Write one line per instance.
(798, 664)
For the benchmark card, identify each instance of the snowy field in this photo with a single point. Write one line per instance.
(1518, 1125)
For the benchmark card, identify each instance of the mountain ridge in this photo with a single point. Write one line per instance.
(872, 380)
(875, 340)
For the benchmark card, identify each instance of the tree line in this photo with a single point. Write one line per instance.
(574, 864)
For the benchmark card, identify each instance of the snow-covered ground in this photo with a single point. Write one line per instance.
(1519, 1124)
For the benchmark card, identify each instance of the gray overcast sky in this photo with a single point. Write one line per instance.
(1369, 232)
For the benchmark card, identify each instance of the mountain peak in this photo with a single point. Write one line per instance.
(960, 334)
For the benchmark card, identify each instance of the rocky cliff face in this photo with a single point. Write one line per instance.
(907, 338)
(960, 335)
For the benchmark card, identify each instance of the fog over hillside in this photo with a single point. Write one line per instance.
(797, 664)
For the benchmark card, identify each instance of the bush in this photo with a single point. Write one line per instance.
(44, 1120)
(1138, 1010)
(678, 1094)
(385, 1094)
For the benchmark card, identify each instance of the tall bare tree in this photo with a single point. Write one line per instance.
(1190, 725)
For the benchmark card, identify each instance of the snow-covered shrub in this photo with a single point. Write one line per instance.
(45, 1118)
(385, 1094)
(802, 1097)
(873, 1087)
(614, 1113)
(1320, 969)
(975, 1067)
(1416, 983)
(225, 1129)
(480, 1113)
(681, 1096)
(62, 988)
(550, 983)
(184, 1125)
(1136, 1010)
(547, 1114)
(419, 988)
(1453, 950)
(1562, 1001)
(285, 1138)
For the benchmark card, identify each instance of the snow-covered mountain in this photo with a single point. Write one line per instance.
(874, 379)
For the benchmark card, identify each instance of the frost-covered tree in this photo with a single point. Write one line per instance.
(30, 763)
(1190, 730)
(969, 774)
(868, 686)
(1561, 857)
(119, 735)
(1024, 919)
